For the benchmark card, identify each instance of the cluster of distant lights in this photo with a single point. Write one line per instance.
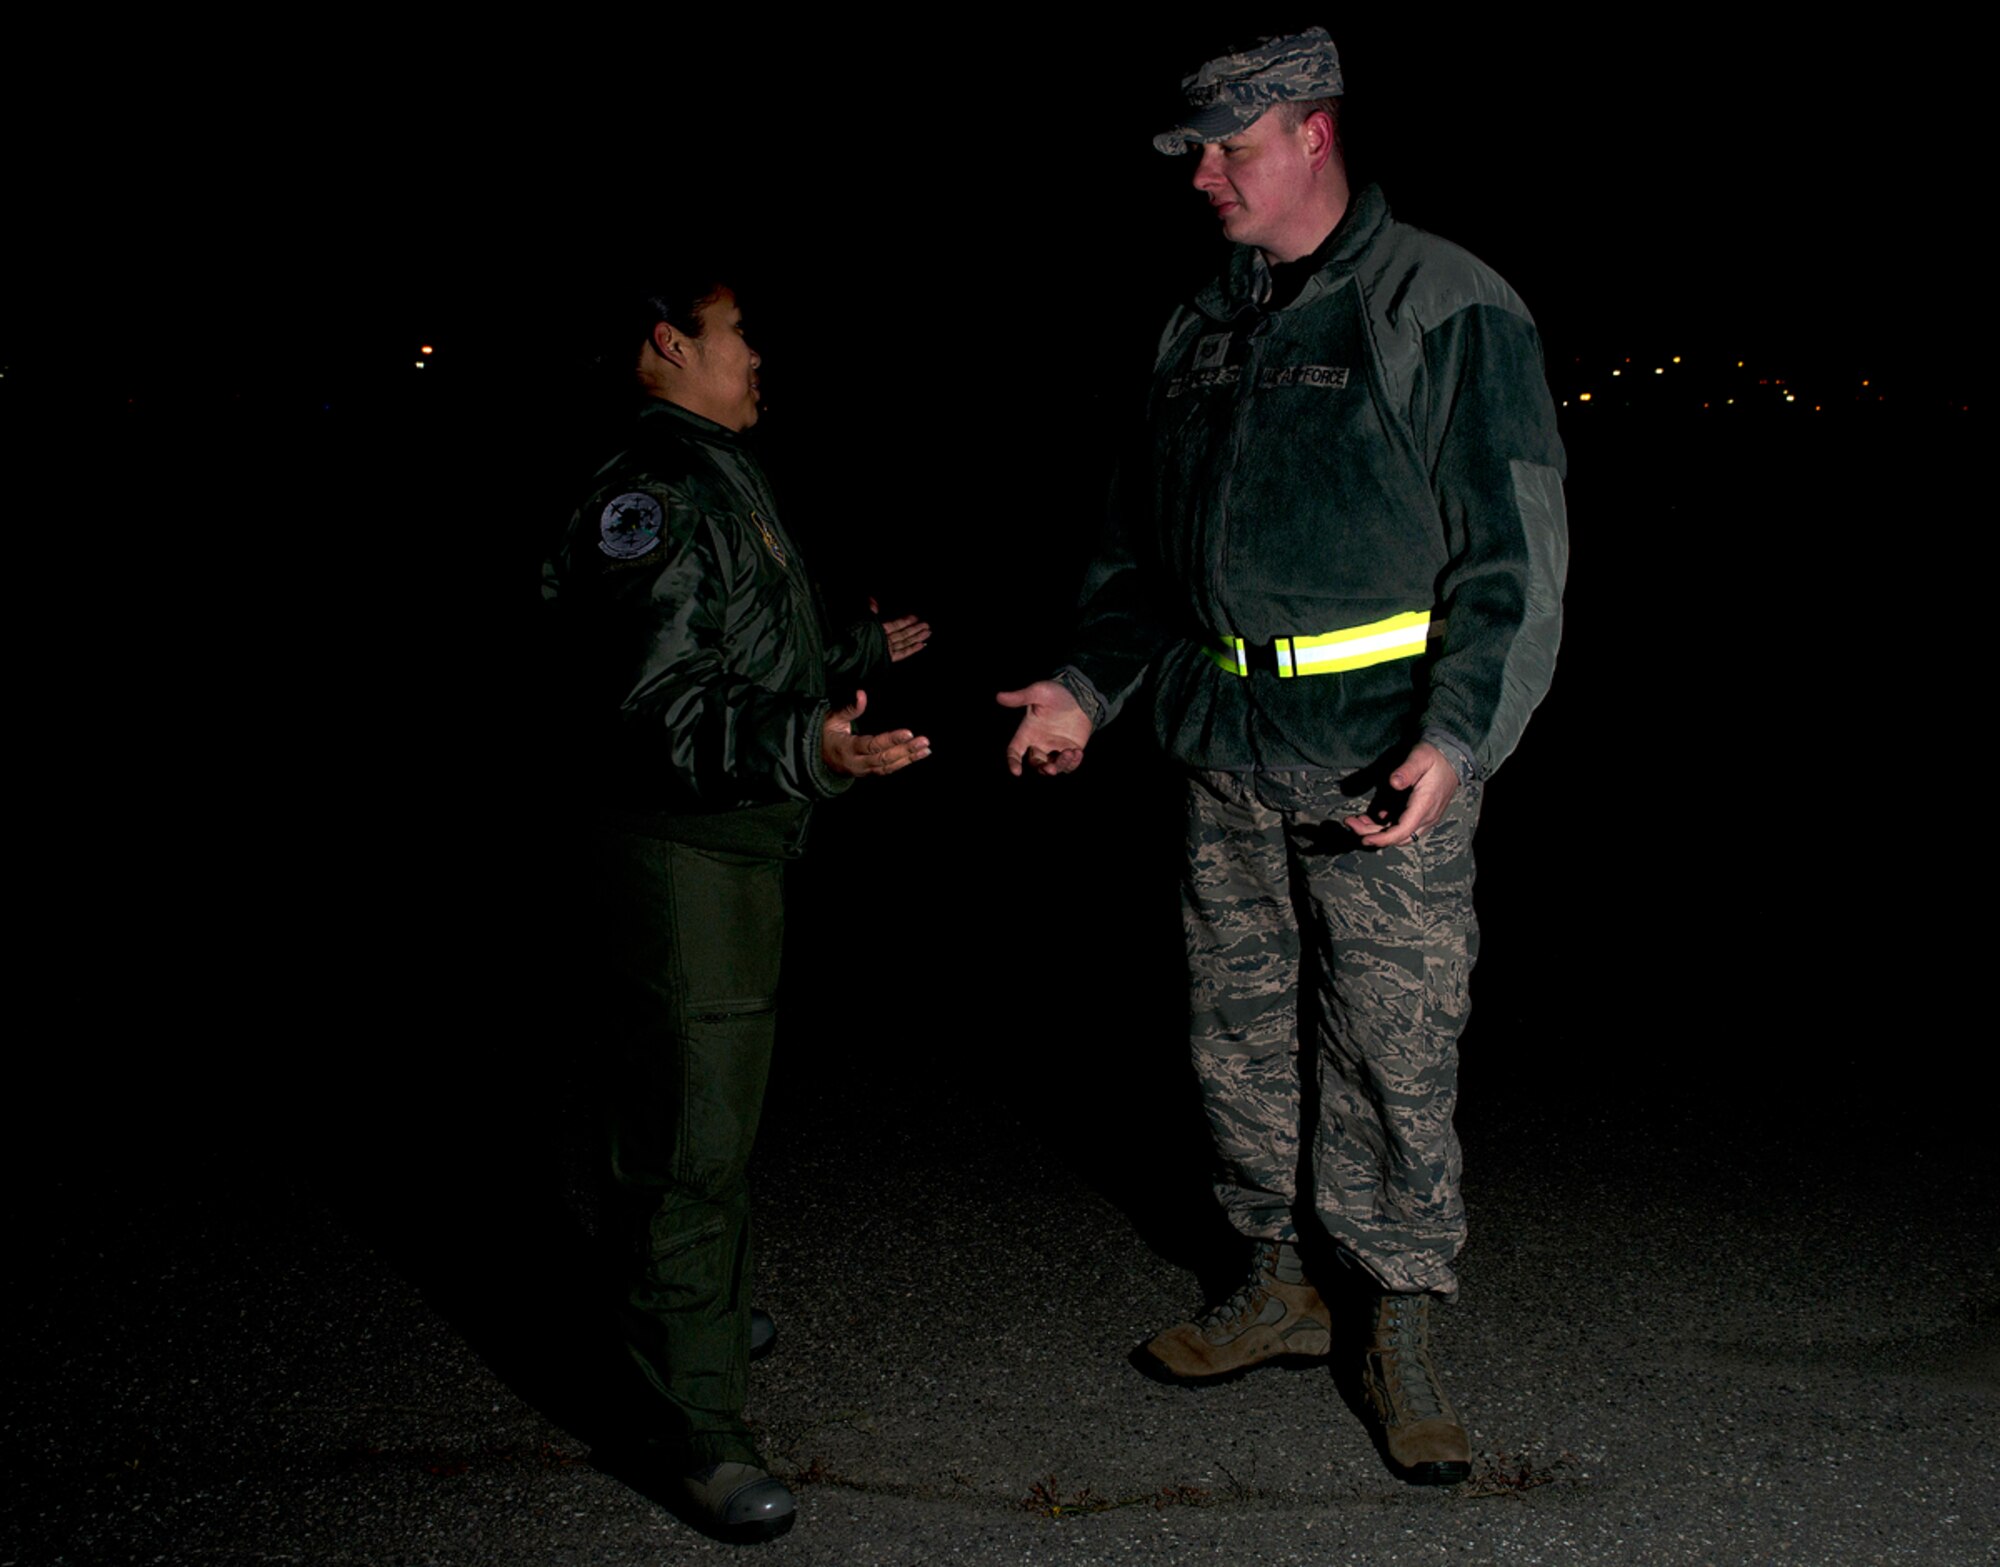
(1775, 383)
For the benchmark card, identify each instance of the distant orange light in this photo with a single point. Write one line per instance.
(1582, 397)
(425, 349)
(1677, 358)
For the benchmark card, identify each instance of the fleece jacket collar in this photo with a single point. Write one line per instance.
(1246, 284)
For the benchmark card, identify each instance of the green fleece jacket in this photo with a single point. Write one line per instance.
(1383, 443)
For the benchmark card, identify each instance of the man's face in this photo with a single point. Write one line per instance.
(1257, 180)
(721, 383)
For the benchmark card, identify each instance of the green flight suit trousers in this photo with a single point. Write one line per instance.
(690, 943)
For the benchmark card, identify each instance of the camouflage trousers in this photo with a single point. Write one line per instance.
(1328, 990)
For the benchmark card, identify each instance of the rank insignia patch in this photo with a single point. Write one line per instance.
(1211, 351)
(630, 526)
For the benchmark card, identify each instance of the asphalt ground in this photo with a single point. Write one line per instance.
(1682, 1339)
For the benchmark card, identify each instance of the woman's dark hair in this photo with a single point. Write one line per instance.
(675, 300)
(624, 319)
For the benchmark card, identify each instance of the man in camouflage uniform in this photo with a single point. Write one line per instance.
(1338, 562)
(704, 689)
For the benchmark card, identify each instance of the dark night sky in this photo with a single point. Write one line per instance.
(1759, 184)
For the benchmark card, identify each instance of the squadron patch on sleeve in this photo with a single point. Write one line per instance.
(630, 525)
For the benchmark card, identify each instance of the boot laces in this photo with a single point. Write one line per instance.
(1246, 1302)
(1405, 1343)
(1249, 1297)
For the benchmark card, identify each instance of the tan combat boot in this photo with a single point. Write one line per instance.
(1277, 1316)
(1419, 1427)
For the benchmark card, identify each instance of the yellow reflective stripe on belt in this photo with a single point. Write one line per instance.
(1330, 652)
(1230, 658)
(1378, 642)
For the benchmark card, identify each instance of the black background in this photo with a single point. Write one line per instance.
(291, 832)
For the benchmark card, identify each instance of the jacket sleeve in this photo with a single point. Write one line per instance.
(1123, 622)
(1489, 430)
(709, 738)
(1121, 627)
(856, 657)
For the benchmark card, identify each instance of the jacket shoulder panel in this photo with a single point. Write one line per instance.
(1415, 280)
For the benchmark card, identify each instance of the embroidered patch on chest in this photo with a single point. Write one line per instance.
(770, 537)
(630, 525)
(1215, 375)
(1211, 351)
(1332, 377)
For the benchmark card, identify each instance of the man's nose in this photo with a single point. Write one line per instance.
(1208, 168)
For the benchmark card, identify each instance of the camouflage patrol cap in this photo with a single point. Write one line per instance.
(1236, 90)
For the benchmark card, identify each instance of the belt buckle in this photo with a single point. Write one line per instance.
(1269, 658)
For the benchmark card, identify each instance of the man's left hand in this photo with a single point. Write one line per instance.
(1428, 783)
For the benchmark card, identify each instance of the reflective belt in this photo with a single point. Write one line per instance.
(1331, 652)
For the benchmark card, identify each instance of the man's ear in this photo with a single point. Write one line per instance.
(1318, 133)
(669, 344)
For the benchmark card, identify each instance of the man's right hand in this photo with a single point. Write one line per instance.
(1052, 733)
(862, 756)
